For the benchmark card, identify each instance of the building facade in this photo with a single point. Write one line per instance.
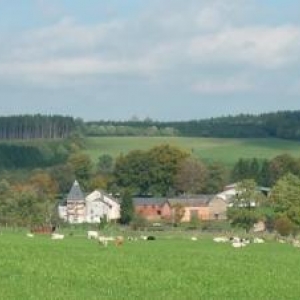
(78, 208)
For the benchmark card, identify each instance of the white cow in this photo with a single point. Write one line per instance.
(57, 236)
(258, 241)
(92, 234)
(105, 239)
(238, 244)
(30, 235)
(221, 239)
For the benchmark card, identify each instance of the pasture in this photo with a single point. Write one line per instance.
(227, 151)
(167, 268)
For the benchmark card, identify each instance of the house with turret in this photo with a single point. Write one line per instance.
(80, 208)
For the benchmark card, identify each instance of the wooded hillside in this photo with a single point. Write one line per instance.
(35, 126)
(283, 124)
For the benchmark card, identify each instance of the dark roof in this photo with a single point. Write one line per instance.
(75, 193)
(149, 201)
(110, 196)
(198, 200)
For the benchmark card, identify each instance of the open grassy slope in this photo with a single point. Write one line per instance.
(227, 151)
(173, 268)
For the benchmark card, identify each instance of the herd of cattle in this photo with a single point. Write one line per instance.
(235, 241)
(238, 242)
(92, 234)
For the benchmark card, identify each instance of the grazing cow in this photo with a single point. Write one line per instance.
(221, 239)
(281, 241)
(296, 243)
(30, 235)
(193, 238)
(151, 238)
(119, 241)
(91, 234)
(103, 241)
(57, 236)
(234, 239)
(258, 241)
(238, 244)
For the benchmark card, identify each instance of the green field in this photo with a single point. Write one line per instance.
(168, 268)
(227, 151)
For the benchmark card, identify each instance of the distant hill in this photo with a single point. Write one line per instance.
(283, 124)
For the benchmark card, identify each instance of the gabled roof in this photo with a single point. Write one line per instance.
(189, 201)
(75, 193)
(149, 201)
(100, 196)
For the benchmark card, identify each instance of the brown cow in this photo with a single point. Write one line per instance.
(119, 240)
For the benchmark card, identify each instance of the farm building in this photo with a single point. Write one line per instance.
(78, 208)
(202, 207)
(194, 207)
(152, 208)
(230, 192)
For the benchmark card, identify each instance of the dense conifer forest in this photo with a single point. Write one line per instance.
(25, 127)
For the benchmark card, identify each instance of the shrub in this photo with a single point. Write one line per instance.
(284, 226)
(138, 222)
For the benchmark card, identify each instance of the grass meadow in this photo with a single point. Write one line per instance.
(227, 151)
(167, 268)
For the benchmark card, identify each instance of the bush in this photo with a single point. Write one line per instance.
(138, 222)
(284, 226)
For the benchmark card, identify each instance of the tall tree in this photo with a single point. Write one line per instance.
(244, 211)
(285, 197)
(134, 171)
(126, 207)
(82, 166)
(217, 178)
(191, 176)
(105, 164)
(165, 160)
(282, 165)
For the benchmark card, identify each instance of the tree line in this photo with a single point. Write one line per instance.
(24, 127)
(282, 124)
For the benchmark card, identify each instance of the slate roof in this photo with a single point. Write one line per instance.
(196, 201)
(149, 201)
(75, 193)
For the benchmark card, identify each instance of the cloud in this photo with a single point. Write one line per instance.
(259, 46)
(163, 42)
(221, 87)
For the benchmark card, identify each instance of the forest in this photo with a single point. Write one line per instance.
(282, 124)
(26, 127)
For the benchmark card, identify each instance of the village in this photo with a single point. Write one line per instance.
(79, 208)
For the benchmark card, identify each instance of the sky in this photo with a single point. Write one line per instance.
(159, 59)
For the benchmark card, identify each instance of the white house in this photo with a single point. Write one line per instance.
(99, 205)
(90, 209)
(230, 192)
